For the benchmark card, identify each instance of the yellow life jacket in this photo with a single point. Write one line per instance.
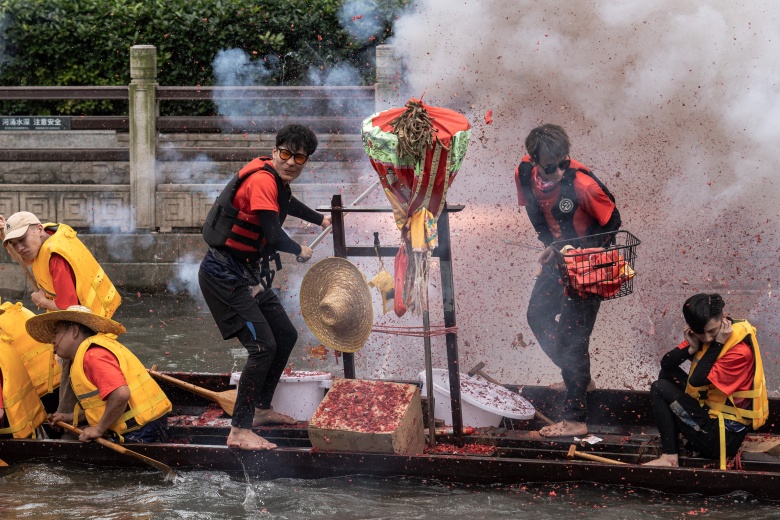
(23, 408)
(147, 400)
(38, 358)
(721, 406)
(93, 287)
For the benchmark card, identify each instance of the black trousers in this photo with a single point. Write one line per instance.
(565, 340)
(265, 331)
(675, 411)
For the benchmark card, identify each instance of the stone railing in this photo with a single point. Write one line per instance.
(164, 173)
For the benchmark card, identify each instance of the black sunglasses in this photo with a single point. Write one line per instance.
(299, 158)
(552, 168)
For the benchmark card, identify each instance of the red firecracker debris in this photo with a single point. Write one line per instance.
(489, 117)
(466, 449)
(368, 406)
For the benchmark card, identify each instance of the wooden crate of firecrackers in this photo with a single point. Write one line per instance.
(369, 416)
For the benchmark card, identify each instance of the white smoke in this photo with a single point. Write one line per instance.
(235, 68)
(674, 105)
(361, 19)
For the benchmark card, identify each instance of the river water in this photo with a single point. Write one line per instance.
(176, 333)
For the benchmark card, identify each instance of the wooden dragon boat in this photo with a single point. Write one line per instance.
(512, 454)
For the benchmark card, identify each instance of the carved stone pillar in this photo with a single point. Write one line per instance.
(143, 135)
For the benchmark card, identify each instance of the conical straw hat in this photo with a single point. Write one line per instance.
(41, 327)
(336, 304)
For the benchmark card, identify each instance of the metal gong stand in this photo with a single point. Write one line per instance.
(444, 253)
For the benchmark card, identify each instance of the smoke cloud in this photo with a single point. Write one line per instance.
(674, 105)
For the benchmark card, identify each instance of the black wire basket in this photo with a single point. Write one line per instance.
(597, 267)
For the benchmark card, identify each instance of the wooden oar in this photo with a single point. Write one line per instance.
(3, 463)
(226, 399)
(169, 473)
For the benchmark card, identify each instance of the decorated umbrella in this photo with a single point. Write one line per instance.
(417, 150)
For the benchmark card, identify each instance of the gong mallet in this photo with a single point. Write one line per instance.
(327, 230)
(588, 456)
(477, 371)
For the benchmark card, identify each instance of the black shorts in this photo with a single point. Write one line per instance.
(231, 303)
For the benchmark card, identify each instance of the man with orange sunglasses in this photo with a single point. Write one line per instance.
(244, 232)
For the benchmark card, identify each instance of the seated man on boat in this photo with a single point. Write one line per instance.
(21, 410)
(244, 233)
(723, 397)
(112, 386)
(67, 274)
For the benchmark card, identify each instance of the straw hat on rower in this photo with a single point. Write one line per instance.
(41, 327)
(336, 304)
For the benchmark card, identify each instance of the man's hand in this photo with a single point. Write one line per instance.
(57, 416)
(547, 255)
(725, 330)
(42, 302)
(2, 410)
(2, 224)
(325, 222)
(693, 341)
(89, 433)
(305, 254)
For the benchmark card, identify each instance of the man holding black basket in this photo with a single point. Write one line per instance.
(567, 206)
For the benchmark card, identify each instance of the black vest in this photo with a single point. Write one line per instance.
(223, 215)
(565, 207)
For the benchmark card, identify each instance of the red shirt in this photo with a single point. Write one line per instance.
(64, 280)
(102, 369)
(257, 193)
(734, 372)
(593, 204)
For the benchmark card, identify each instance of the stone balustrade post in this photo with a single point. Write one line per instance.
(389, 79)
(143, 135)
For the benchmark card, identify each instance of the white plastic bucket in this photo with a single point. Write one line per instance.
(482, 403)
(298, 393)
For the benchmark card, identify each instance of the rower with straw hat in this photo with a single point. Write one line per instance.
(111, 384)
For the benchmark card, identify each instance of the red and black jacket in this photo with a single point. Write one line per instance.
(565, 219)
(223, 217)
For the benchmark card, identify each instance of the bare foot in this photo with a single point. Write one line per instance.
(263, 417)
(561, 386)
(564, 429)
(666, 461)
(245, 439)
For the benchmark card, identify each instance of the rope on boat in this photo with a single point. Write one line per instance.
(419, 332)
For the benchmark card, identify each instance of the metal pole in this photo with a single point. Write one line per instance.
(448, 297)
(327, 230)
(340, 250)
(429, 378)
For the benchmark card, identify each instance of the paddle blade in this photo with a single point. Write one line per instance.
(169, 473)
(3, 463)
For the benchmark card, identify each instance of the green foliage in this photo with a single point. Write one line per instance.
(86, 42)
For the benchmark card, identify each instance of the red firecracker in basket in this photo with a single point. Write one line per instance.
(596, 271)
